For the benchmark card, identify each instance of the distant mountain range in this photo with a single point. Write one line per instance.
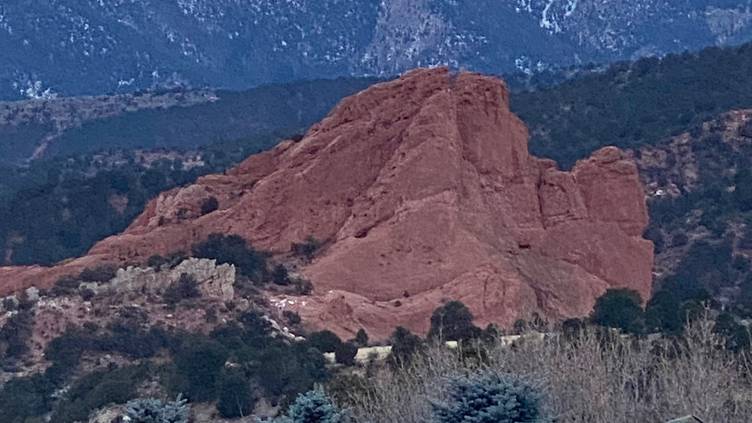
(91, 47)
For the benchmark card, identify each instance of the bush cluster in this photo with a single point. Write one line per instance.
(185, 288)
(158, 411)
(96, 390)
(234, 250)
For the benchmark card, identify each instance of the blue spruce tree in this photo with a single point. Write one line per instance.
(489, 398)
(314, 407)
(157, 411)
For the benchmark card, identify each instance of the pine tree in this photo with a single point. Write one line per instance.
(452, 322)
(235, 396)
(361, 338)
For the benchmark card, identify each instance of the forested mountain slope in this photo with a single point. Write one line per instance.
(36, 129)
(634, 104)
(95, 47)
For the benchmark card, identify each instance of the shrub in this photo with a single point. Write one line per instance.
(157, 411)
(361, 338)
(156, 261)
(292, 317)
(572, 328)
(10, 304)
(175, 258)
(679, 240)
(186, 287)
(280, 275)
(491, 333)
(325, 341)
(15, 334)
(209, 205)
(132, 341)
(256, 322)
(235, 396)
(663, 313)
(66, 349)
(234, 250)
(452, 322)
(302, 286)
(103, 273)
(520, 326)
(25, 397)
(67, 285)
(87, 294)
(197, 366)
(289, 370)
(96, 390)
(306, 249)
(735, 335)
(314, 407)
(620, 309)
(404, 346)
(489, 398)
(345, 353)
(746, 129)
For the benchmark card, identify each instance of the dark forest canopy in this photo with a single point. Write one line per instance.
(634, 104)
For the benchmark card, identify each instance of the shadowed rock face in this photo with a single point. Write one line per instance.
(423, 191)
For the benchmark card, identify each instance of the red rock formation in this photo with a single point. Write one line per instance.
(424, 191)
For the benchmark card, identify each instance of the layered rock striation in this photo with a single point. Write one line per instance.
(422, 190)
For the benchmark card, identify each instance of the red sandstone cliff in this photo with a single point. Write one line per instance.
(422, 186)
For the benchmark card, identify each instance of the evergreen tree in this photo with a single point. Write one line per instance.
(235, 396)
(404, 346)
(361, 338)
(233, 249)
(736, 336)
(489, 398)
(325, 341)
(157, 411)
(452, 322)
(198, 367)
(345, 353)
(314, 407)
(619, 309)
(663, 313)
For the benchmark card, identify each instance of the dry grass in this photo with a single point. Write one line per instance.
(584, 380)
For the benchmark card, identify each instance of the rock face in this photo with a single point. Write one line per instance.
(422, 190)
(214, 281)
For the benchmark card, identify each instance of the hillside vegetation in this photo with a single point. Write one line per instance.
(58, 208)
(173, 119)
(700, 188)
(631, 105)
(105, 157)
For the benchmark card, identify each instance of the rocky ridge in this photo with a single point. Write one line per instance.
(422, 190)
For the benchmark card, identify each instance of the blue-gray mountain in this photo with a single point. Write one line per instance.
(107, 46)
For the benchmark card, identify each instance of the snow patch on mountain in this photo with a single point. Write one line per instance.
(90, 46)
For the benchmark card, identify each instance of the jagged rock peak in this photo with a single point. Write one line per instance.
(422, 190)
